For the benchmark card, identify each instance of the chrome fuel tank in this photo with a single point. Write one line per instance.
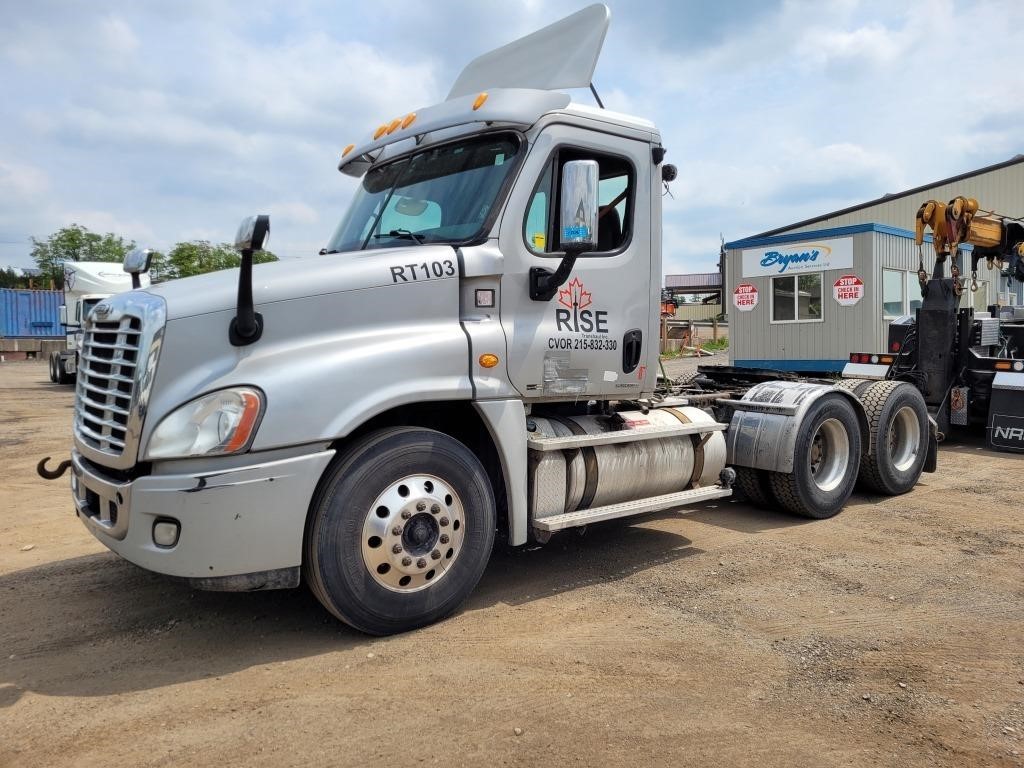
(581, 478)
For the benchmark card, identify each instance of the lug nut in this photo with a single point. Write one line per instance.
(435, 555)
(406, 561)
(444, 538)
(397, 549)
(443, 521)
(421, 506)
(396, 531)
(421, 563)
(406, 514)
(435, 509)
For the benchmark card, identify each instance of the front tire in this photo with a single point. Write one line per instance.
(825, 462)
(400, 530)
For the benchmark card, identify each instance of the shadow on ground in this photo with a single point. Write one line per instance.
(97, 625)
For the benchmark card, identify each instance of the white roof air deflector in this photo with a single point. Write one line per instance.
(561, 55)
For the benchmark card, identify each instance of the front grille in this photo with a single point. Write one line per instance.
(106, 383)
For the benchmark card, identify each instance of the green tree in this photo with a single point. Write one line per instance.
(76, 243)
(8, 279)
(159, 267)
(198, 257)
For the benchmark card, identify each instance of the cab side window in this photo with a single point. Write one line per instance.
(616, 193)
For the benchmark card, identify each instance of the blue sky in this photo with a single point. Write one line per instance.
(171, 121)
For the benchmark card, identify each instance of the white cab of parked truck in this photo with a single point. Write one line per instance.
(474, 353)
(86, 284)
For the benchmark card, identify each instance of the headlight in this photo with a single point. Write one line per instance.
(219, 423)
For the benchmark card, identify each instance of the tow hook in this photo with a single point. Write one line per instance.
(52, 474)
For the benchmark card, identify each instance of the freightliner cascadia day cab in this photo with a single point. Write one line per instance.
(475, 352)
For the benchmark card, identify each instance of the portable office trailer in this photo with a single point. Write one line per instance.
(803, 301)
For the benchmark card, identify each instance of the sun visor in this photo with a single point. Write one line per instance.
(516, 108)
(561, 55)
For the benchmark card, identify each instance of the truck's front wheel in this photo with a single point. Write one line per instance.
(400, 531)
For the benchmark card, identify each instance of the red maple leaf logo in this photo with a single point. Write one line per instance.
(573, 295)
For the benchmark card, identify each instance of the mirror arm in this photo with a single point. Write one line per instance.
(544, 283)
(136, 281)
(247, 325)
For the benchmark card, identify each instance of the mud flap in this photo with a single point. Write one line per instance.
(932, 459)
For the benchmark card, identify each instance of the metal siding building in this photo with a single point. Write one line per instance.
(883, 246)
(997, 188)
(30, 314)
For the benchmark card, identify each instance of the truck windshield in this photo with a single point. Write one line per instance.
(441, 195)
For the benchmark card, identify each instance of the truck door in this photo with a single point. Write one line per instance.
(590, 340)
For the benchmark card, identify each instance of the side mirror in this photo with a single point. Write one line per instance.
(247, 325)
(577, 226)
(137, 260)
(578, 221)
(253, 233)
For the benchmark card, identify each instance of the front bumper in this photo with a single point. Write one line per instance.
(243, 520)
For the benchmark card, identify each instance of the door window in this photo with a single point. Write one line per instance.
(615, 195)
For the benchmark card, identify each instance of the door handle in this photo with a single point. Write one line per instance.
(632, 344)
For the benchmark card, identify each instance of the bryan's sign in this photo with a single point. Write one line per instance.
(792, 258)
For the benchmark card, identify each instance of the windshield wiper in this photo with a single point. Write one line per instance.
(402, 234)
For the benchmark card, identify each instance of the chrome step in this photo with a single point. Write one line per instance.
(628, 508)
(538, 443)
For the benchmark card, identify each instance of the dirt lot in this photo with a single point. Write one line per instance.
(890, 635)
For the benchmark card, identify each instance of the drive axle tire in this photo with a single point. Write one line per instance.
(755, 486)
(825, 461)
(63, 377)
(898, 422)
(53, 367)
(400, 530)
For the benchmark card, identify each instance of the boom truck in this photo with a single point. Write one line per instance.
(969, 367)
(86, 284)
(475, 351)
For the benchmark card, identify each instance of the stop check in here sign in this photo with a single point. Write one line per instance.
(744, 297)
(848, 290)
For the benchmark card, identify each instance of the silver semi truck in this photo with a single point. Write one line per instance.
(475, 352)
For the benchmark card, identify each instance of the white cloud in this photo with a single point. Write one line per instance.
(174, 122)
(116, 37)
(19, 181)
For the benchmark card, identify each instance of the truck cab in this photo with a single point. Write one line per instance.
(86, 284)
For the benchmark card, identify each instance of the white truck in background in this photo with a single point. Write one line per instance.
(474, 354)
(86, 284)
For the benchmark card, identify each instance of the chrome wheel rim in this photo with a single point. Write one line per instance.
(413, 533)
(830, 454)
(904, 439)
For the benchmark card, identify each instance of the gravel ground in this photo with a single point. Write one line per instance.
(727, 636)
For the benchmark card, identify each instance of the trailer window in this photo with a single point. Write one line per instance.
(979, 298)
(913, 293)
(796, 298)
(893, 284)
(615, 194)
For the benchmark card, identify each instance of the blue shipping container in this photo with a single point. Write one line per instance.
(30, 314)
